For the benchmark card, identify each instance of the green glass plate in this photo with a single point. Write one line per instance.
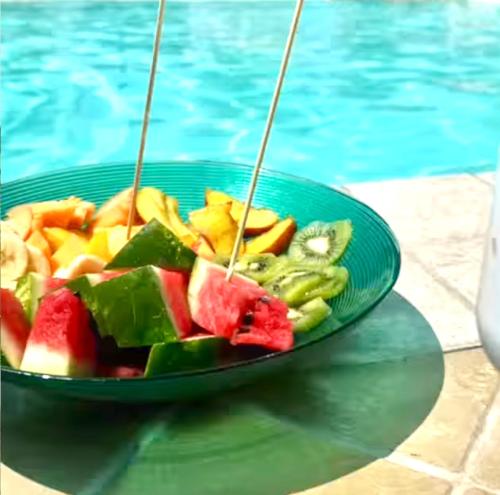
(373, 261)
(347, 402)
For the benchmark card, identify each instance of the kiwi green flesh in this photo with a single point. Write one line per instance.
(309, 315)
(263, 267)
(330, 287)
(291, 287)
(256, 266)
(321, 242)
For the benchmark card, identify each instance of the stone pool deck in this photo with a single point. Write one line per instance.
(440, 223)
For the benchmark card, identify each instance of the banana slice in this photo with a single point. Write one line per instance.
(37, 261)
(14, 258)
(21, 218)
(85, 263)
(8, 226)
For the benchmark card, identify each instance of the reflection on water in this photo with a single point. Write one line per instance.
(374, 89)
(348, 401)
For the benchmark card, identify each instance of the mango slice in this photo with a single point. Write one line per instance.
(217, 225)
(151, 204)
(53, 214)
(115, 211)
(274, 241)
(259, 220)
(117, 237)
(82, 215)
(37, 239)
(187, 236)
(66, 213)
(203, 249)
(56, 237)
(69, 250)
(98, 246)
(217, 198)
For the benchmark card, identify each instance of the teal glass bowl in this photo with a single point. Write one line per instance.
(373, 260)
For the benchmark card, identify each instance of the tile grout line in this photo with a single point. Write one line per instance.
(424, 467)
(467, 484)
(460, 481)
(478, 433)
(465, 347)
(482, 432)
(480, 179)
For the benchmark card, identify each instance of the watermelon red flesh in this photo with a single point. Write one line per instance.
(238, 310)
(54, 284)
(223, 304)
(269, 326)
(61, 341)
(31, 288)
(174, 290)
(120, 371)
(14, 328)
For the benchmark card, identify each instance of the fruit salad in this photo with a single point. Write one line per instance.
(79, 298)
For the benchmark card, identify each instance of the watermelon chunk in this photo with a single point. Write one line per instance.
(14, 326)
(83, 285)
(61, 341)
(191, 354)
(120, 371)
(154, 245)
(32, 287)
(143, 307)
(238, 310)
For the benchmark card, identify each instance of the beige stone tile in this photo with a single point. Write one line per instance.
(450, 317)
(383, 478)
(440, 223)
(454, 262)
(485, 466)
(422, 210)
(446, 435)
(12, 483)
(488, 177)
(476, 491)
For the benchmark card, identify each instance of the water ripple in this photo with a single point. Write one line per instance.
(374, 90)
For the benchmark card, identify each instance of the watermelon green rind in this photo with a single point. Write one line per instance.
(3, 360)
(154, 245)
(187, 355)
(29, 290)
(41, 359)
(132, 310)
(173, 287)
(83, 288)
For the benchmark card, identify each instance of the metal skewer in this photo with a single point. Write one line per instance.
(147, 110)
(265, 136)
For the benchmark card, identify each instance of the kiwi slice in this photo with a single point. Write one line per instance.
(298, 284)
(320, 242)
(334, 283)
(309, 315)
(292, 286)
(257, 266)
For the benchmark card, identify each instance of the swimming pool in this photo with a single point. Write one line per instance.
(374, 90)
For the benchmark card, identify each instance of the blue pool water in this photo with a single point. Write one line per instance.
(375, 89)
